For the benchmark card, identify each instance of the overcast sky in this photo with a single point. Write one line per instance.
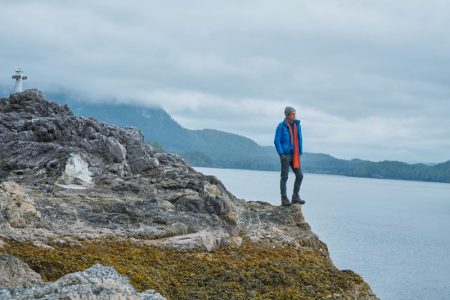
(369, 79)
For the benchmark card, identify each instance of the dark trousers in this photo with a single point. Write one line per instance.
(286, 161)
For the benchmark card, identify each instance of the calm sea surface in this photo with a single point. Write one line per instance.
(394, 233)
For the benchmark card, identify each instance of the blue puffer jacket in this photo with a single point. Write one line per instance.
(282, 139)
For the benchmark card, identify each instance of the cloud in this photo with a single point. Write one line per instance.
(369, 79)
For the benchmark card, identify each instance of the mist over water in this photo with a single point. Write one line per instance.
(394, 233)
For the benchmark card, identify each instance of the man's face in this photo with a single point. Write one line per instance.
(291, 116)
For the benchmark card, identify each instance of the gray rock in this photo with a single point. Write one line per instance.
(97, 282)
(117, 152)
(14, 273)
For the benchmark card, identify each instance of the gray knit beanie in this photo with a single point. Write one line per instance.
(288, 110)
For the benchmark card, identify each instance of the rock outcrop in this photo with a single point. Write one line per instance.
(97, 282)
(66, 179)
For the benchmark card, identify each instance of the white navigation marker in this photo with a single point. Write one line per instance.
(18, 77)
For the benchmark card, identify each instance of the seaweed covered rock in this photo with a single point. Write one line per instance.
(250, 271)
(97, 282)
(65, 180)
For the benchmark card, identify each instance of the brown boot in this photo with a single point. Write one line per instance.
(285, 201)
(296, 199)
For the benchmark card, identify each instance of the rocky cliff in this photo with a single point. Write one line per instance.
(75, 191)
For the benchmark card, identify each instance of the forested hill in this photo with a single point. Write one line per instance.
(215, 148)
(326, 164)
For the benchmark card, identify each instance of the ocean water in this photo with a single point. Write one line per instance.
(394, 233)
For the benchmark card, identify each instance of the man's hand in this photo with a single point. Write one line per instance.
(282, 156)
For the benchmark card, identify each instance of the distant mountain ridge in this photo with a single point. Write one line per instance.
(215, 148)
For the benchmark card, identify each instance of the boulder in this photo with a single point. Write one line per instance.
(14, 273)
(98, 282)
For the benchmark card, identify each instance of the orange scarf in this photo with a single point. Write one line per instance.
(294, 139)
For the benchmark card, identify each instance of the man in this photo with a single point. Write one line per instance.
(288, 143)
